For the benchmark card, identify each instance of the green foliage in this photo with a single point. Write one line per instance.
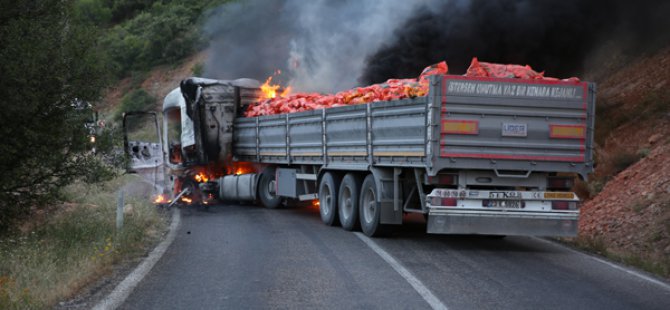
(94, 12)
(198, 69)
(643, 152)
(623, 160)
(136, 100)
(125, 9)
(47, 81)
(154, 33)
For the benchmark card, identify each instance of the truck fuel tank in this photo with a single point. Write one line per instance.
(238, 187)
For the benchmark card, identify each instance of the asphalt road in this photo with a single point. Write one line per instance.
(247, 257)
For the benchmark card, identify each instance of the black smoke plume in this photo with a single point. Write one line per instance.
(558, 37)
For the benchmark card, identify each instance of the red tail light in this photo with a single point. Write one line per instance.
(560, 182)
(444, 202)
(443, 179)
(564, 205)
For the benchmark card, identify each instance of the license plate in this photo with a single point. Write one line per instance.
(506, 204)
(514, 130)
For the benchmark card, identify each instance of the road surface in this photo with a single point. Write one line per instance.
(247, 257)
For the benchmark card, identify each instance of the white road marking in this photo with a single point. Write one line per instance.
(613, 265)
(427, 295)
(123, 290)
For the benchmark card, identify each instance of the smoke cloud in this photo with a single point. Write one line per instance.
(328, 46)
(318, 45)
(556, 36)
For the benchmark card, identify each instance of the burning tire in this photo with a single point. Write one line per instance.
(267, 189)
(348, 201)
(328, 192)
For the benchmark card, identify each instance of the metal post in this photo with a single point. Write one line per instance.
(119, 211)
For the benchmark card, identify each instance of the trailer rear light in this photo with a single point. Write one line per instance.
(564, 205)
(460, 127)
(560, 182)
(443, 179)
(567, 131)
(444, 201)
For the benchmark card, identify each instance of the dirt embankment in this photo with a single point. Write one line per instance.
(629, 218)
(158, 82)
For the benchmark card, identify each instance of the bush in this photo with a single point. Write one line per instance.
(136, 100)
(623, 160)
(198, 69)
(162, 33)
(94, 12)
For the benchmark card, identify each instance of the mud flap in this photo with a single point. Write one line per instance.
(390, 213)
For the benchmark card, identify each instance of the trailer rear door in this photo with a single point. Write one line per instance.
(515, 124)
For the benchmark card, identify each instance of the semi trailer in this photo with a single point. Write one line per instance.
(491, 156)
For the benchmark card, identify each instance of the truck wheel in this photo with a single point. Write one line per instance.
(266, 189)
(348, 201)
(328, 187)
(370, 210)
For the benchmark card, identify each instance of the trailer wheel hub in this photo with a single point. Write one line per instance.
(369, 206)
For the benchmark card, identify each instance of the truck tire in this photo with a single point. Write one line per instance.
(266, 189)
(328, 192)
(348, 201)
(370, 210)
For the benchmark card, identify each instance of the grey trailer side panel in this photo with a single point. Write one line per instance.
(399, 132)
(272, 139)
(346, 140)
(305, 138)
(420, 133)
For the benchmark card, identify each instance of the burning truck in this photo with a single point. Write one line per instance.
(492, 152)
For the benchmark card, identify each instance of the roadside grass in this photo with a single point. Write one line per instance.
(77, 243)
(659, 266)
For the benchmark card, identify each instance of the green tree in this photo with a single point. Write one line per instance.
(95, 12)
(154, 33)
(50, 67)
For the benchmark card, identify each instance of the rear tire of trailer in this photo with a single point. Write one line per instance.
(328, 192)
(347, 200)
(266, 189)
(370, 210)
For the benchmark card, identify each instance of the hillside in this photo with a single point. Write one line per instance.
(157, 82)
(628, 219)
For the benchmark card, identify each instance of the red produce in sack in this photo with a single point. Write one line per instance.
(436, 69)
(392, 89)
(485, 69)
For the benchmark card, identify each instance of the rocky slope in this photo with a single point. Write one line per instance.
(629, 218)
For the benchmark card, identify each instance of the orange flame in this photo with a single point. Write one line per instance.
(242, 168)
(285, 92)
(271, 90)
(201, 177)
(186, 200)
(160, 199)
(268, 89)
